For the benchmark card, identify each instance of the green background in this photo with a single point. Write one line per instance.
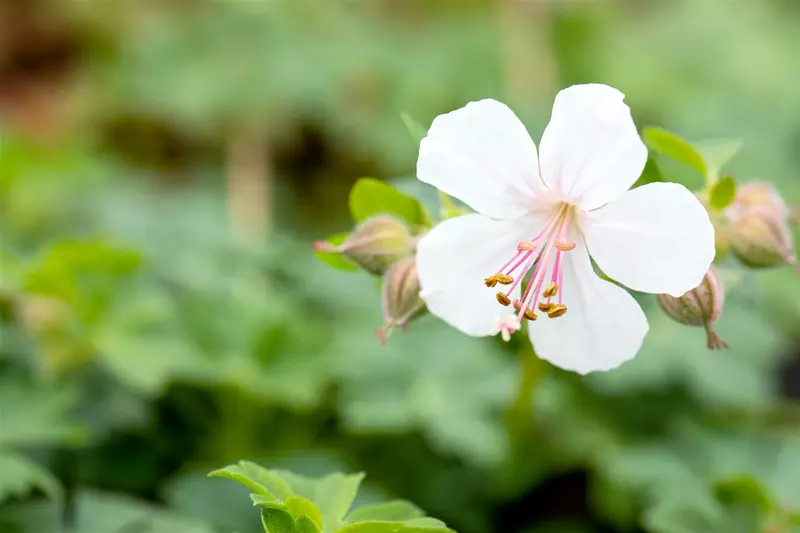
(164, 169)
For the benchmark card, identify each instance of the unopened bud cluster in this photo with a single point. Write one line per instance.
(700, 307)
(401, 300)
(755, 227)
(375, 245)
(384, 246)
(759, 224)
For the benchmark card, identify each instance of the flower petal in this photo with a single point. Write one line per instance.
(656, 238)
(482, 155)
(590, 151)
(603, 327)
(454, 258)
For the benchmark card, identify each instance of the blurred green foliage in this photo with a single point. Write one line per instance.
(150, 335)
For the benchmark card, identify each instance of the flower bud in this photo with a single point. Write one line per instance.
(763, 240)
(700, 307)
(401, 300)
(757, 197)
(374, 245)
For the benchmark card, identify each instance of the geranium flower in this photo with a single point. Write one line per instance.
(541, 218)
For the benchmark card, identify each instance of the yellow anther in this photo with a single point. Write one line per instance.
(565, 246)
(545, 307)
(557, 310)
(503, 299)
(505, 279)
(491, 281)
(551, 290)
(526, 246)
(529, 314)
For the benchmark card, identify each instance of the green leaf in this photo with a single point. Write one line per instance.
(415, 129)
(371, 527)
(674, 147)
(722, 193)
(266, 501)
(277, 521)
(416, 525)
(305, 524)
(305, 515)
(332, 494)
(257, 478)
(323, 500)
(398, 510)
(427, 523)
(319, 504)
(300, 507)
(335, 259)
(372, 197)
(18, 476)
(716, 153)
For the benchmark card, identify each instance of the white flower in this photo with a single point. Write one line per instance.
(540, 218)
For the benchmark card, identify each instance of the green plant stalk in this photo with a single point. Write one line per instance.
(235, 436)
(532, 370)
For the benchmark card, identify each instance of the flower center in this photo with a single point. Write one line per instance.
(537, 256)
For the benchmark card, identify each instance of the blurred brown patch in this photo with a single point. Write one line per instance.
(37, 54)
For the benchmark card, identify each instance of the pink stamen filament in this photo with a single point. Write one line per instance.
(531, 258)
(502, 268)
(527, 300)
(556, 268)
(527, 253)
(525, 256)
(537, 280)
(556, 274)
(558, 271)
(532, 283)
(553, 233)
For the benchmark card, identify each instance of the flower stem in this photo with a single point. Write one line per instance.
(519, 416)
